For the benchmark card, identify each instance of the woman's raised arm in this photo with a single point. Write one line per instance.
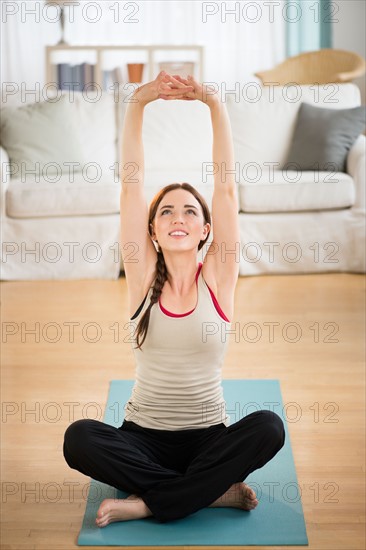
(225, 204)
(132, 154)
(138, 251)
(223, 255)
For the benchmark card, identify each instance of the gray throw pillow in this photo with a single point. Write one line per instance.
(323, 137)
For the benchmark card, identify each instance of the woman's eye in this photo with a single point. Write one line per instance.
(189, 210)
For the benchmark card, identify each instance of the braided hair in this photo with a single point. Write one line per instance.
(161, 272)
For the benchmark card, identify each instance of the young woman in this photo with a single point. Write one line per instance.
(175, 451)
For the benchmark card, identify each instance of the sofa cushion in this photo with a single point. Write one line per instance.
(323, 137)
(272, 192)
(295, 191)
(81, 198)
(39, 134)
(47, 136)
(177, 135)
(263, 119)
(98, 130)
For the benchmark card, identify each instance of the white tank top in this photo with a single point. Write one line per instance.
(178, 370)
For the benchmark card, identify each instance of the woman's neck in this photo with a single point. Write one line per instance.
(181, 279)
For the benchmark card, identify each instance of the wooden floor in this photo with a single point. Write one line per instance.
(57, 375)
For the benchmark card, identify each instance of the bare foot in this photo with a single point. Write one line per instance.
(132, 507)
(239, 495)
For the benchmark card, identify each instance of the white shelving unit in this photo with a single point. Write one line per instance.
(105, 57)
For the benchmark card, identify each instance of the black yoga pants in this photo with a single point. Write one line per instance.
(176, 473)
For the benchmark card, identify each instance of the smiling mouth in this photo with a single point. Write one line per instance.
(178, 235)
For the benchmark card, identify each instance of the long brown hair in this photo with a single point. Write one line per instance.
(161, 273)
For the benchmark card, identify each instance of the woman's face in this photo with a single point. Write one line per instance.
(179, 211)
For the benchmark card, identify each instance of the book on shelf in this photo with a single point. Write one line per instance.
(84, 74)
(112, 77)
(80, 75)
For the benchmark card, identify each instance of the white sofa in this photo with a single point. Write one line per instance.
(290, 222)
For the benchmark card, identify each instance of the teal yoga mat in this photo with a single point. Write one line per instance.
(277, 520)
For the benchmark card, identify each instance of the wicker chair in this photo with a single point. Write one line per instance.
(318, 67)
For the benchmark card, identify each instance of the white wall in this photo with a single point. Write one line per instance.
(349, 31)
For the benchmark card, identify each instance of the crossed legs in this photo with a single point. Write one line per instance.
(207, 466)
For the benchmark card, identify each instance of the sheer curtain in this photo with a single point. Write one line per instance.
(309, 25)
(239, 37)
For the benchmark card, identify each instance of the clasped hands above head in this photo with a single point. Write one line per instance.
(188, 87)
(168, 87)
(177, 87)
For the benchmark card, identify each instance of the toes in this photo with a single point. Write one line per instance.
(103, 522)
(249, 492)
(251, 502)
(102, 514)
(101, 525)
